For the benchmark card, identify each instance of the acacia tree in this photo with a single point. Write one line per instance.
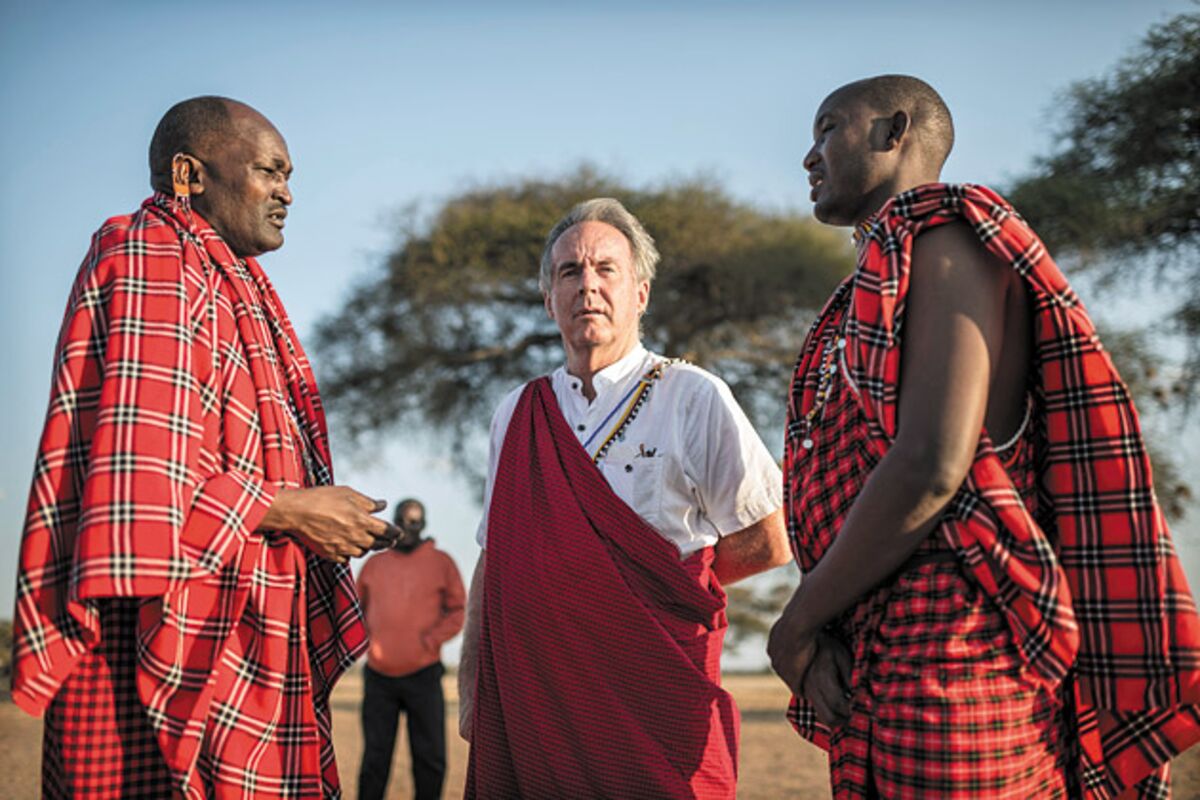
(454, 318)
(1120, 197)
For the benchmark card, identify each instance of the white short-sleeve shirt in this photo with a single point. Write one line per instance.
(689, 463)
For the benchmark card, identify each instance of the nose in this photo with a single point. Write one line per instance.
(588, 280)
(811, 158)
(284, 193)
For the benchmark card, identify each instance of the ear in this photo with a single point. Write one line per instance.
(643, 294)
(187, 174)
(548, 305)
(898, 127)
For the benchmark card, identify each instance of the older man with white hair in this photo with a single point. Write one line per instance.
(623, 490)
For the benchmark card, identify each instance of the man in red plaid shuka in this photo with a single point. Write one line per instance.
(991, 604)
(183, 601)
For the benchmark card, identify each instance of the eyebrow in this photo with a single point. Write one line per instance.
(280, 164)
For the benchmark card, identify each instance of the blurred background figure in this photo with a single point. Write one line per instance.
(413, 599)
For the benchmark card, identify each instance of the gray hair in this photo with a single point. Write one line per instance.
(610, 212)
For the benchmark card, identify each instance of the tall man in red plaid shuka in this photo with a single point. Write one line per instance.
(183, 601)
(991, 604)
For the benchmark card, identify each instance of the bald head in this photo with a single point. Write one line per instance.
(195, 126)
(931, 122)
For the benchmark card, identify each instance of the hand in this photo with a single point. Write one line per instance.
(827, 683)
(791, 654)
(334, 522)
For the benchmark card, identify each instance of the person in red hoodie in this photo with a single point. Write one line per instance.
(413, 599)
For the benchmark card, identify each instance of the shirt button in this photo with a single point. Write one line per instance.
(574, 385)
(629, 467)
(581, 427)
(842, 343)
(808, 444)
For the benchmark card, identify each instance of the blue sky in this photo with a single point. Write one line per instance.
(386, 105)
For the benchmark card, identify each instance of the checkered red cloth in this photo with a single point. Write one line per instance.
(599, 650)
(181, 402)
(941, 707)
(1091, 587)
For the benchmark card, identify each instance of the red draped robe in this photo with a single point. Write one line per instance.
(599, 650)
(181, 403)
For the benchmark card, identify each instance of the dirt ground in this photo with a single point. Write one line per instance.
(775, 762)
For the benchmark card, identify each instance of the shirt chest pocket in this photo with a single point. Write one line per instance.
(638, 480)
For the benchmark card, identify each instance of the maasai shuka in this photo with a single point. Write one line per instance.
(599, 649)
(181, 402)
(1091, 589)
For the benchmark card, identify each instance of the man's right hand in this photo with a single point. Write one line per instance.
(335, 522)
(827, 682)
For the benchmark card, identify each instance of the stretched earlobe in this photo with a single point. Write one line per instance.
(181, 175)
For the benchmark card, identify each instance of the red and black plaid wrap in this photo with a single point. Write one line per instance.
(1091, 589)
(181, 403)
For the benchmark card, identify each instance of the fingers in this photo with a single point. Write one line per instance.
(825, 689)
(337, 523)
(367, 504)
(376, 526)
(389, 537)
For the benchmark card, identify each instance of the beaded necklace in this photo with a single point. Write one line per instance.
(632, 403)
(833, 345)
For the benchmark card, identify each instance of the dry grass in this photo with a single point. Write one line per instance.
(775, 762)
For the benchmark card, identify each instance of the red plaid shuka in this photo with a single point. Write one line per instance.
(599, 650)
(1090, 589)
(181, 402)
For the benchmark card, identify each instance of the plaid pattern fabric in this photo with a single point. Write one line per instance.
(941, 708)
(181, 402)
(97, 740)
(1091, 586)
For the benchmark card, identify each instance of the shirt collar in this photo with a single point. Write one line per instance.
(616, 372)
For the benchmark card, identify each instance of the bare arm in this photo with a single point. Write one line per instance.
(468, 662)
(757, 548)
(334, 522)
(953, 334)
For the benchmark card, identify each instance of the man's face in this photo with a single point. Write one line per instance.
(411, 523)
(245, 186)
(845, 168)
(595, 295)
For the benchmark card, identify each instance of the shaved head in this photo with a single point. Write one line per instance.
(887, 94)
(191, 126)
(236, 166)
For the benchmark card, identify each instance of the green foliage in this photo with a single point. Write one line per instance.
(1124, 183)
(454, 319)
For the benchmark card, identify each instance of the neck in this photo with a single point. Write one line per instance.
(585, 363)
(900, 183)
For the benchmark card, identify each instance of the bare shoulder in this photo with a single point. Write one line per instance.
(953, 253)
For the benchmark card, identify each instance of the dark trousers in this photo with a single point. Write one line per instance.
(418, 694)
